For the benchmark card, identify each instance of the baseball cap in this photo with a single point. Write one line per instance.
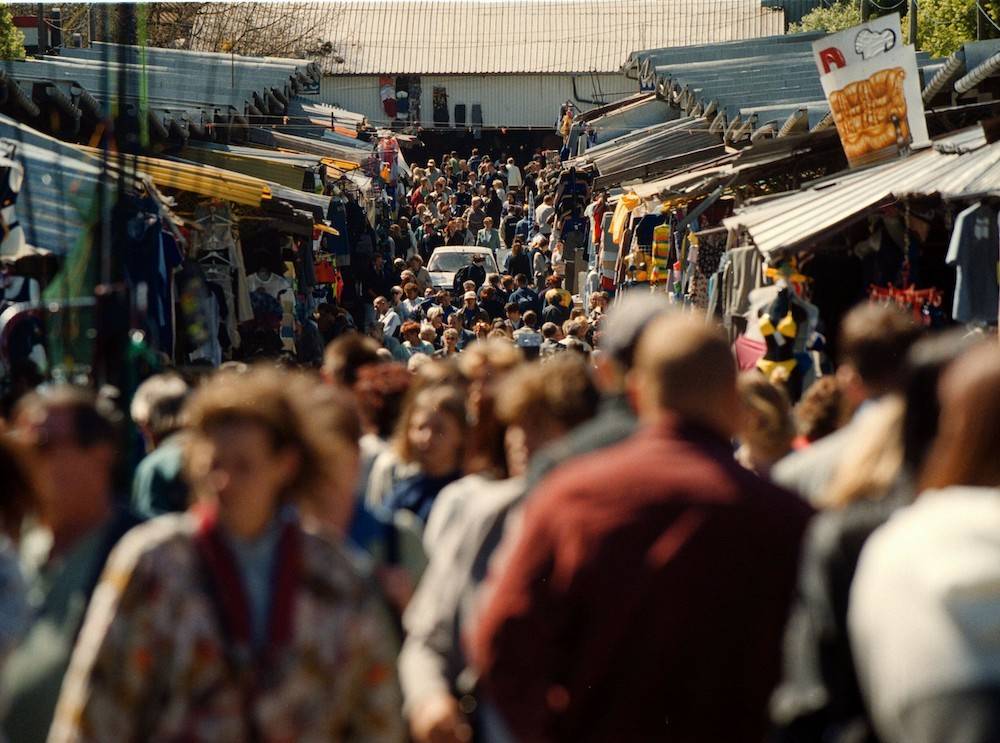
(625, 321)
(469, 295)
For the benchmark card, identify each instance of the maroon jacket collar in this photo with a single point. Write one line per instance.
(227, 583)
(674, 427)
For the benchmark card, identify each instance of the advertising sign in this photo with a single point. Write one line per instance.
(871, 80)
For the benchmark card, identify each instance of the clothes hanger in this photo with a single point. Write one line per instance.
(214, 257)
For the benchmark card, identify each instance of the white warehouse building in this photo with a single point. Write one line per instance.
(503, 64)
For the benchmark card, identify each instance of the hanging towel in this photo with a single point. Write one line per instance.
(661, 254)
(626, 204)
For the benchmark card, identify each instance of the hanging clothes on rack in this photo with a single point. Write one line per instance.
(704, 259)
(741, 273)
(215, 246)
(609, 254)
(200, 320)
(626, 204)
(150, 261)
(973, 252)
(790, 329)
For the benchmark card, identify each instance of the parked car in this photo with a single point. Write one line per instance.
(447, 260)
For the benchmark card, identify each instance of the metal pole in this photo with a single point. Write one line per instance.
(912, 12)
(43, 31)
(92, 23)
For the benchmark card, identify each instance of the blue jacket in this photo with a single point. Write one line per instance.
(526, 299)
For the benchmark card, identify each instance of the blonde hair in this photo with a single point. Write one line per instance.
(872, 459)
(562, 392)
(774, 427)
(487, 357)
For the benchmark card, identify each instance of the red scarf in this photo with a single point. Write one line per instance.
(228, 590)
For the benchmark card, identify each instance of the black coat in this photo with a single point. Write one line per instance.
(472, 272)
(555, 313)
(516, 264)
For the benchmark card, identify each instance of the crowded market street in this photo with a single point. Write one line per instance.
(499, 370)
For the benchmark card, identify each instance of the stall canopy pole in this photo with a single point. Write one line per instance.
(700, 209)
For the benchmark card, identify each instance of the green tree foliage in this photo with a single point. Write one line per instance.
(836, 17)
(11, 38)
(942, 25)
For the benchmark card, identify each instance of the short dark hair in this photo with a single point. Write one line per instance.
(511, 307)
(530, 318)
(95, 418)
(874, 339)
(348, 353)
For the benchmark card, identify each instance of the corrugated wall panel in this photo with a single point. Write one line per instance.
(358, 93)
(514, 101)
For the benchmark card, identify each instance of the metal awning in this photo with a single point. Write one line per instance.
(958, 167)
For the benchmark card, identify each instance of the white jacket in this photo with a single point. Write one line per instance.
(924, 614)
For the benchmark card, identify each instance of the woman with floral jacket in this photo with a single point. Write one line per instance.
(230, 622)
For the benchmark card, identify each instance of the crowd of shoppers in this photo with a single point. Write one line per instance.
(478, 202)
(502, 516)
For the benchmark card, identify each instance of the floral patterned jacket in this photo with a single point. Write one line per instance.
(153, 664)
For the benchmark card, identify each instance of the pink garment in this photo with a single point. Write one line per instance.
(748, 352)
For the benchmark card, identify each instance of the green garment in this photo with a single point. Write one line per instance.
(58, 591)
(159, 486)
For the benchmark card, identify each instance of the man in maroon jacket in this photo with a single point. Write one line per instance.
(646, 595)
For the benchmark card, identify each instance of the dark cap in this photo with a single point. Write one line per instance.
(625, 321)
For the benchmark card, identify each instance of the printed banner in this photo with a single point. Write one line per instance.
(871, 80)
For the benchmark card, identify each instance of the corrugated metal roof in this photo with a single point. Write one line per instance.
(750, 164)
(506, 36)
(645, 60)
(655, 150)
(319, 147)
(957, 167)
(61, 181)
(770, 78)
(607, 108)
(201, 94)
(54, 206)
(621, 121)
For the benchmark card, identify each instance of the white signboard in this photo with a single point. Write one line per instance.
(871, 80)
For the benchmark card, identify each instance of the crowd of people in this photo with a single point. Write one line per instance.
(481, 203)
(456, 529)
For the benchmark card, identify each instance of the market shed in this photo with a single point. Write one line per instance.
(748, 91)
(491, 64)
(186, 95)
(960, 167)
